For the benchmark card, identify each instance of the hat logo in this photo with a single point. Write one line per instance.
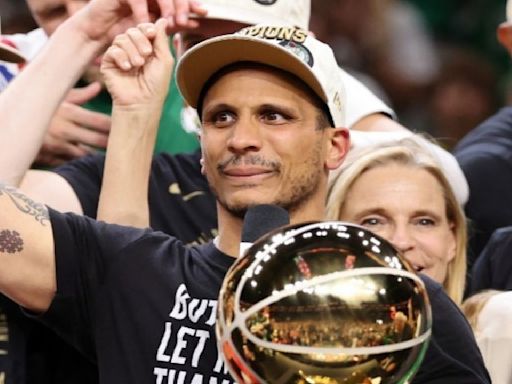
(298, 50)
(266, 2)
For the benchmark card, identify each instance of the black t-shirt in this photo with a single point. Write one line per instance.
(30, 353)
(143, 305)
(139, 302)
(180, 201)
(485, 156)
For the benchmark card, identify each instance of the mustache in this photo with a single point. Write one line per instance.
(249, 160)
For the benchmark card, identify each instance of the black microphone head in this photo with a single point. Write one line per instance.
(261, 219)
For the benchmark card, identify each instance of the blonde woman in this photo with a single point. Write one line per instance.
(399, 191)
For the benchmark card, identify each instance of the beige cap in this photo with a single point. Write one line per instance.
(277, 12)
(288, 48)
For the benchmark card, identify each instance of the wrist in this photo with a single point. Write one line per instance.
(75, 31)
(139, 120)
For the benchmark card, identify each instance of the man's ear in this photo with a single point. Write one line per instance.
(203, 170)
(338, 147)
(504, 34)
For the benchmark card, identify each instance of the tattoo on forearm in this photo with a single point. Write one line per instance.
(25, 204)
(10, 241)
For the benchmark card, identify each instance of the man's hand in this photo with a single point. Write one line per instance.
(137, 67)
(102, 20)
(74, 131)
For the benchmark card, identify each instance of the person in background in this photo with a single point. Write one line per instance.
(399, 191)
(490, 315)
(82, 122)
(485, 156)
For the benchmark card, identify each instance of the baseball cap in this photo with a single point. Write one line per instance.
(279, 12)
(8, 52)
(288, 48)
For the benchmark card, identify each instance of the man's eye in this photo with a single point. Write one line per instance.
(274, 117)
(223, 118)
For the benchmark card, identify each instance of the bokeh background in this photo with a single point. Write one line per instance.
(436, 62)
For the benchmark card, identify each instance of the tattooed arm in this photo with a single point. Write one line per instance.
(27, 272)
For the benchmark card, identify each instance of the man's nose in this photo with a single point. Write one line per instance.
(245, 136)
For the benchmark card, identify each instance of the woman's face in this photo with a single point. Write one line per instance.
(405, 205)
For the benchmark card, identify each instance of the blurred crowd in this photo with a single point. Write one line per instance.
(437, 64)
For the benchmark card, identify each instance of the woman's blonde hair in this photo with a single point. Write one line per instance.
(409, 152)
(473, 305)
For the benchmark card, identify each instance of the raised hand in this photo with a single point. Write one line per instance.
(104, 19)
(137, 67)
(74, 130)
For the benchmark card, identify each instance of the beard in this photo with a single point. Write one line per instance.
(299, 190)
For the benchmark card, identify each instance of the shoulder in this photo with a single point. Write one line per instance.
(493, 268)
(493, 133)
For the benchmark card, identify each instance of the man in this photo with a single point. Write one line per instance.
(139, 302)
(485, 156)
(245, 165)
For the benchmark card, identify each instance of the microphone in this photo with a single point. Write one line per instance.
(260, 220)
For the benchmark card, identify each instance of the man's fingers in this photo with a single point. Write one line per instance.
(197, 8)
(161, 42)
(118, 57)
(87, 138)
(96, 121)
(83, 95)
(139, 38)
(182, 9)
(131, 52)
(140, 10)
(55, 152)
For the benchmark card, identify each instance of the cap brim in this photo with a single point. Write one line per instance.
(205, 59)
(9, 54)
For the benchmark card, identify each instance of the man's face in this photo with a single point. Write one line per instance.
(261, 142)
(49, 14)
